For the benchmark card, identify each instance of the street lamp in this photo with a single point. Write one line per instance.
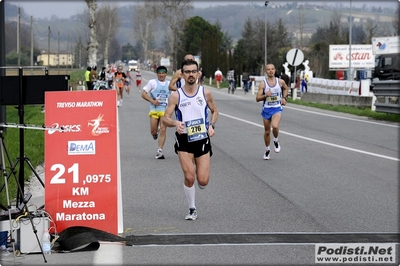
(265, 40)
(350, 77)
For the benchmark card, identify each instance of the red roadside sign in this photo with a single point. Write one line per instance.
(81, 179)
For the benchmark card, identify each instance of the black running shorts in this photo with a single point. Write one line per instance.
(198, 148)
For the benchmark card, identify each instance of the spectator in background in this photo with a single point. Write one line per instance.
(110, 78)
(304, 79)
(93, 77)
(102, 74)
(87, 78)
(218, 77)
(245, 79)
(201, 78)
(230, 76)
(286, 78)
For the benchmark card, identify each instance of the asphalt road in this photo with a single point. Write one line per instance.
(335, 180)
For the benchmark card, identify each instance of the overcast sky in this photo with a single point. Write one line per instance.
(65, 9)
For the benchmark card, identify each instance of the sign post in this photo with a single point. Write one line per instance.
(294, 57)
(81, 184)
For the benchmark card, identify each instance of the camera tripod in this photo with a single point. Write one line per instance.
(23, 205)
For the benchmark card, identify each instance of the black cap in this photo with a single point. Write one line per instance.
(161, 69)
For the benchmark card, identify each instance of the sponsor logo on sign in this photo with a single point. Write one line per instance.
(56, 127)
(96, 128)
(81, 147)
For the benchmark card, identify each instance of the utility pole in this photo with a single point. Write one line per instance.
(31, 42)
(18, 37)
(72, 57)
(58, 55)
(48, 49)
(350, 77)
(2, 60)
(265, 39)
(80, 52)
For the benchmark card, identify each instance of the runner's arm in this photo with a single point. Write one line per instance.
(214, 111)
(285, 90)
(260, 93)
(167, 120)
(177, 75)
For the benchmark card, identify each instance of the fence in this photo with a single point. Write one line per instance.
(387, 94)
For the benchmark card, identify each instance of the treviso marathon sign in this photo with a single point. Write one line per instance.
(81, 159)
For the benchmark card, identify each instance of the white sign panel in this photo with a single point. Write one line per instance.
(165, 62)
(294, 57)
(386, 45)
(361, 56)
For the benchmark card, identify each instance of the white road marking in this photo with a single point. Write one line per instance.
(314, 140)
(109, 253)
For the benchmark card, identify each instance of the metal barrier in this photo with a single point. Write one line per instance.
(387, 94)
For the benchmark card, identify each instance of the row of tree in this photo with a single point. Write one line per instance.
(98, 38)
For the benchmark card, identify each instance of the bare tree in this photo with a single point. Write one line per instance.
(372, 28)
(107, 24)
(144, 18)
(174, 13)
(396, 22)
(93, 44)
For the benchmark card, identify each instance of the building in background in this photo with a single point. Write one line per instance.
(55, 59)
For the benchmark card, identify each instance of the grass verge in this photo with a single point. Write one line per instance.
(366, 112)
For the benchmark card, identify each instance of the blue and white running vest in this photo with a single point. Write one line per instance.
(161, 93)
(193, 111)
(275, 99)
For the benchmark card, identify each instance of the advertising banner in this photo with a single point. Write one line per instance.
(81, 179)
(386, 45)
(361, 56)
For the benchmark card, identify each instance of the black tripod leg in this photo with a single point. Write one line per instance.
(12, 166)
(36, 174)
(21, 195)
(30, 218)
(33, 170)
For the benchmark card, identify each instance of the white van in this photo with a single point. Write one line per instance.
(133, 65)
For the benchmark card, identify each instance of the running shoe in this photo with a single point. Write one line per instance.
(159, 154)
(200, 186)
(277, 146)
(155, 136)
(267, 155)
(192, 215)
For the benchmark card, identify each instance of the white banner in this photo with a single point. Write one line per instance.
(386, 45)
(361, 56)
(165, 62)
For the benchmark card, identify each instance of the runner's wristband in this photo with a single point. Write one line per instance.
(213, 126)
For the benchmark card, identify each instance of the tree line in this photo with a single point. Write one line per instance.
(98, 40)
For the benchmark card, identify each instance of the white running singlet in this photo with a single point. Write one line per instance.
(193, 111)
(276, 94)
